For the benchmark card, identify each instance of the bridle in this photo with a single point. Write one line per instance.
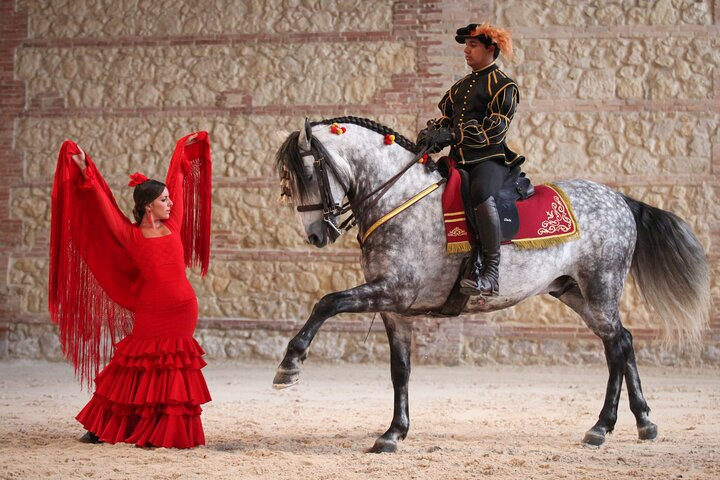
(332, 209)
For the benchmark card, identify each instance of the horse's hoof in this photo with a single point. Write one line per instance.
(285, 378)
(383, 446)
(594, 438)
(648, 432)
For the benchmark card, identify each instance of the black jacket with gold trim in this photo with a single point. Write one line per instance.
(478, 109)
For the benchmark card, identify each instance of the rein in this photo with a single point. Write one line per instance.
(332, 209)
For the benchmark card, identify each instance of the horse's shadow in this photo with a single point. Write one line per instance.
(307, 444)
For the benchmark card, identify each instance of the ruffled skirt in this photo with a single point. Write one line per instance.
(150, 394)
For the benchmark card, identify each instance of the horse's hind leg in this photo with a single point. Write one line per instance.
(399, 332)
(603, 318)
(646, 429)
(370, 297)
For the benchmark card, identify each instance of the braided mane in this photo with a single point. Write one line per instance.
(404, 142)
(288, 161)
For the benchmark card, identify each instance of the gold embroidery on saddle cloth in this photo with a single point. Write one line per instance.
(457, 237)
(561, 225)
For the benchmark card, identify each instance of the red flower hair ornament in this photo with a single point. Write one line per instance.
(136, 179)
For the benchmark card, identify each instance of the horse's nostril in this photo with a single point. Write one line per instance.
(313, 239)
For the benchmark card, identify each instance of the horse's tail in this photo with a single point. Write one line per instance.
(672, 272)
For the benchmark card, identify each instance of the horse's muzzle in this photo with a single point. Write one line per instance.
(317, 240)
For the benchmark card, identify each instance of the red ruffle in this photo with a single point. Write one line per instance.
(150, 394)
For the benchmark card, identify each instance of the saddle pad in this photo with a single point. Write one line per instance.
(457, 233)
(546, 219)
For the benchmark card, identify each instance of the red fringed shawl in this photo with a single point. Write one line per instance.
(197, 191)
(94, 283)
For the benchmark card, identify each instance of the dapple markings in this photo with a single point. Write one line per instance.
(408, 272)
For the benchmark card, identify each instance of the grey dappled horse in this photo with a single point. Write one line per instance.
(409, 273)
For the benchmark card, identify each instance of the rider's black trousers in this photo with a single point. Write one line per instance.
(486, 179)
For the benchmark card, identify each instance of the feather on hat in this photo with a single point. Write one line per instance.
(496, 36)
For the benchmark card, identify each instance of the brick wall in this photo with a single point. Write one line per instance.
(621, 92)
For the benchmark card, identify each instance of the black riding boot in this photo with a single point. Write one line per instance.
(488, 223)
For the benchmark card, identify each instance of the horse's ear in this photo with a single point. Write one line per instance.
(305, 136)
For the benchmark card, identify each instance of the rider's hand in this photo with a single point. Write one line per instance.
(422, 137)
(439, 138)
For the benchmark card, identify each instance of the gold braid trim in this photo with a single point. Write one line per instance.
(399, 209)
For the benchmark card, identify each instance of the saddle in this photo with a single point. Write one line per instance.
(516, 187)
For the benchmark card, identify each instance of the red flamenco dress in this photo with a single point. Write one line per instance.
(106, 278)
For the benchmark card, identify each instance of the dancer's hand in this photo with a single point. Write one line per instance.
(79, 159)
(191, 139)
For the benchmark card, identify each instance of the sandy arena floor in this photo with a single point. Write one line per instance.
(508, 423)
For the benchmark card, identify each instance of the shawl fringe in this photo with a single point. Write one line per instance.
(192, 154)
(89, 300)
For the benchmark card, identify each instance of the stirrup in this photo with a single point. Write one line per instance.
(473, 288)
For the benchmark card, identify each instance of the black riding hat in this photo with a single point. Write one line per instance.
(462, 34)
(488, 35)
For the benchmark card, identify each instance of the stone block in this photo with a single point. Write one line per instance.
(619, 68)
(242, 147)
(119, 78)
(569, 13)
(29, 276)
(635, 143)
(108, 19)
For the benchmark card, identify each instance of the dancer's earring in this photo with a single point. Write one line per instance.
(152, 220)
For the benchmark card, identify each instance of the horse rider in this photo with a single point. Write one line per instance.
(476, 115)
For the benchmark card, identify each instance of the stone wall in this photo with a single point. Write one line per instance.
(624, 92)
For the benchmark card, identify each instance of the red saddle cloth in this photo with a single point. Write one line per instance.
(546, 218)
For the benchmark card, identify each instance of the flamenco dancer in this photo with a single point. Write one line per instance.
(110, 277)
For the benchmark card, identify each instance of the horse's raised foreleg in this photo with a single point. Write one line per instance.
(646, 429)
(399, 332)
(369, 297)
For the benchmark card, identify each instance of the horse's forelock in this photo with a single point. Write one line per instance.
(288, 159)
